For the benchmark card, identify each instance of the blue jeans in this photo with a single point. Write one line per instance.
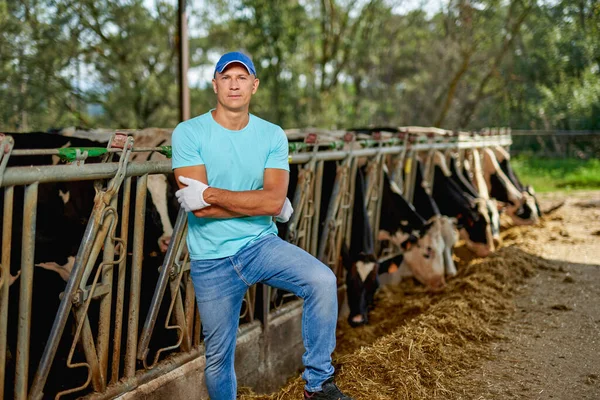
(220, 286)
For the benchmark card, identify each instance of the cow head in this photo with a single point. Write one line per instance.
(525, 213)
(474, 229)
(531, 192)
(498, 184)
(424, 256)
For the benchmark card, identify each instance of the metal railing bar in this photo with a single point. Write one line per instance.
(190, 313)
(87, 172)
(136, 276)
(58, 152)
(553, 133)
(108, 257)
(26, 291)
(6, 253)
(66, 173)
(317, 185)
(116, 358)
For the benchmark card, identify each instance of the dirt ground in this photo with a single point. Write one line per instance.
(551, 345)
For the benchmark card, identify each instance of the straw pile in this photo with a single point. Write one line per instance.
(418, 343)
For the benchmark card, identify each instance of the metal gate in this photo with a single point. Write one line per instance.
(106, 348)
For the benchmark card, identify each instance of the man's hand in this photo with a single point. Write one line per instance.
(286, 212)
(191, 197)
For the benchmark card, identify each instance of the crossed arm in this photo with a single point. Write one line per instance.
(230, 204)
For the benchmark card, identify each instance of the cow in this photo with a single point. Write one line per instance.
(481, 197)
(359, 260)
(449, 200)
(503, 158)
(471, 214)
(421, 249)
(422, 242)
(519, 206)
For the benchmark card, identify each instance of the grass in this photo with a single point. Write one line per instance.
(552, 174)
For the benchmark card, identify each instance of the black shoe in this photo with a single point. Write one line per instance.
(329, 391)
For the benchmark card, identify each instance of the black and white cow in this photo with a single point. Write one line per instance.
(449, 200)
(519, 205)
(503, 158)
(422, 242)
(485, 203)
(471, 215)
(360, 260)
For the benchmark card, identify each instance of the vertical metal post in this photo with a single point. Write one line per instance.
(26, 290)
(6, 241)
(104, 330)
(116, 359)
(190, 309)
(184, 92)
(375, 227)
(136, 275)
(266, 300)
(332, 212)
(197, 327)
(352, 189)
(411, 172)
(318, 188)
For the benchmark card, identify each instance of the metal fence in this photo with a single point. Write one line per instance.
(557, 144)
(111, 350)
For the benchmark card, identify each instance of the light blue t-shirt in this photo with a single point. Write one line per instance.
(234, 160)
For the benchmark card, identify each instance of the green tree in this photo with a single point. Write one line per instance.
(132, 53)
(38, 54)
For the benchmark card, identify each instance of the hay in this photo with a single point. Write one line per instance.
(417, 343)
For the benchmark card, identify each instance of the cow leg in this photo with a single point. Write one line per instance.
(157, 186)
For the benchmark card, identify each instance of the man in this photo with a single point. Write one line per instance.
(233, 173)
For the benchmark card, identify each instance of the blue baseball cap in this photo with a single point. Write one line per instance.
(234, 57)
